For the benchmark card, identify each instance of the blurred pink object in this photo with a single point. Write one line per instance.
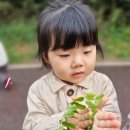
(8, 83)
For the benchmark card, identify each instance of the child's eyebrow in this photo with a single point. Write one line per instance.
(61, 50)
(89, 47)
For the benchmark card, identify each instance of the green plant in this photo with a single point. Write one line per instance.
(19, 39)
(90, 100)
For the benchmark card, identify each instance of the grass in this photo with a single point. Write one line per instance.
(19, 38)
(116, 42)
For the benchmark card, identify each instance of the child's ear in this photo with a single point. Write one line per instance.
(46, 59)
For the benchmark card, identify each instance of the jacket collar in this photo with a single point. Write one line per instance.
(56, 83)
(86, 82)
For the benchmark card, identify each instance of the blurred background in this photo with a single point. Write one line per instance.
(18, 23)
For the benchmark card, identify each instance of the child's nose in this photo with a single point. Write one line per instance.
(77, 62)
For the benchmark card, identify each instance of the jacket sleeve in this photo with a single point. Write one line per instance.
(112, 104)
(37, 117)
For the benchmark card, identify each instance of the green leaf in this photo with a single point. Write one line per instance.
(78, 105)
(90, 117)
(90, 104)
(94, 111)
(79, 99)
(62, 128)
(89, 127)
(69, 114)
(98, 99)
(73, 108)
(90, 96)
(70, 111)
(71, 125)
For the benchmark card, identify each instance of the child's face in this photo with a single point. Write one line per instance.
(73, 65)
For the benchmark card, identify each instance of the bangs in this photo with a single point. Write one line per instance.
(66, 25)
(72, 27)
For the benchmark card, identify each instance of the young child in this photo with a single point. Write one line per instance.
(67, 43)
(5, 81)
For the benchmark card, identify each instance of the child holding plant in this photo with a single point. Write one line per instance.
(67, 43)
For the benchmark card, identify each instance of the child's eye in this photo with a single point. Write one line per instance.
(87, 52)
(64, 55)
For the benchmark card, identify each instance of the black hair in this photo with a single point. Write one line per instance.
(66, 24)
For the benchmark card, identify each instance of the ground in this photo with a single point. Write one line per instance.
(13, 102)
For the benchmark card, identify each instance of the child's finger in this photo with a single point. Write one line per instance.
(104, 100)
(83, 111)
(105, 116)
(84, 124)
(82, 117)
(109, 124)
(96, 128)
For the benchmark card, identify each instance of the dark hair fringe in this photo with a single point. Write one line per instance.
(53, 24)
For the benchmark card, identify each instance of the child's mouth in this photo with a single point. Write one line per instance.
(77, 74)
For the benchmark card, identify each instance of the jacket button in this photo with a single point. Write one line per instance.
(70, 92)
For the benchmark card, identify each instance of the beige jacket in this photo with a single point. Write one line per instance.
(48, 99)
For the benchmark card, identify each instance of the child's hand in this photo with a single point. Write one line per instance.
(80, 119)
(106, 121)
